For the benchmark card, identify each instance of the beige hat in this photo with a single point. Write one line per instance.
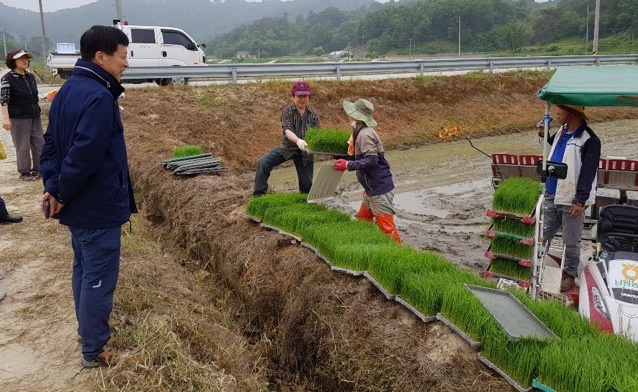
(578, 111)
(360, 110)
(23, 53)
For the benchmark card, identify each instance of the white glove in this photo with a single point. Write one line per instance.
(303, 146)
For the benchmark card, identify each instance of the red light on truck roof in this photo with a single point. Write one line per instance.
(126, 23)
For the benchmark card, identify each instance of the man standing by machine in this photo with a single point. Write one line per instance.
(576, 145)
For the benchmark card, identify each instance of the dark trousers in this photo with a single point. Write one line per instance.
(3, 208)
(96, 265)
(271, 160)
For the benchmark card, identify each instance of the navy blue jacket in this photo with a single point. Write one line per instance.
(84, 163)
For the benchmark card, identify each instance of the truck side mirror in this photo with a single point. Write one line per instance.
(202, 45)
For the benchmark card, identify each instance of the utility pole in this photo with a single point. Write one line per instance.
(44, 36)
(596, 27)
(587, 32)
(118, 10)
(459, 36)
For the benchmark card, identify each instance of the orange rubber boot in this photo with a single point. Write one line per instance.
(386, 224)
(365, 214)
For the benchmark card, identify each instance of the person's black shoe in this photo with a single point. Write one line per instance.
(10, 219)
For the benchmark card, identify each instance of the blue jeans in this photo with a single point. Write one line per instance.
(96, 265)
(271, 160)
(555, 218)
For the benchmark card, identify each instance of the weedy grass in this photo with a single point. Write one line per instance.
(327, 140)
(187, 151)
(516, 195)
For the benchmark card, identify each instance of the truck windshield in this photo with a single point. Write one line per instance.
(172, 37)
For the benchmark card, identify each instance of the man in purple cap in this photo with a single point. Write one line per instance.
(295, 120)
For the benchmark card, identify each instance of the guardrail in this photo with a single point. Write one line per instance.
(233, 72)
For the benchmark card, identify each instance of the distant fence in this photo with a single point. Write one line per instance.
(233, 72)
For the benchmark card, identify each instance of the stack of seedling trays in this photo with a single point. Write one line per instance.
(511, 231)
(190, 161)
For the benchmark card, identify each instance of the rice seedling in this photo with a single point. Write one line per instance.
(295, 218)
(424, 290)
(187, 151)
(462, 308)
(517, 195)
(511, 247)
(332, 238)
(327, 140)
(563, 321)
(389, 265)
(257, 206)
(518, 358)
(510, 268)
(512, 226)
(589, 363)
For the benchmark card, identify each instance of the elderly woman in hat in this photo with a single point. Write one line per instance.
(373, 170)
(575, 144)
(21, 113)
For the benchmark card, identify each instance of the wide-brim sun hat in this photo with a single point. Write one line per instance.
(360, 110)
(578, 111)
(23, 53)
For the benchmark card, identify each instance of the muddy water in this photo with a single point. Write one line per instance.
(443, 190)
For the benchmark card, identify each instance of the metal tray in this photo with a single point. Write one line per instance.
(517, 321)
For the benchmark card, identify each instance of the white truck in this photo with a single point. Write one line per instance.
(149, 46)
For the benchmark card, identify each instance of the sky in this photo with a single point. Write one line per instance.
(54, 5)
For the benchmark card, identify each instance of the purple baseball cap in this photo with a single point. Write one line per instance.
(300, 87)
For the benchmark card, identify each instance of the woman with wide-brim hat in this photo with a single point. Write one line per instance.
(373, 170)
(21, 113)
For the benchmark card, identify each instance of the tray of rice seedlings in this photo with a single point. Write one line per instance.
(517, 361)
(333, 239)
(294, 218)
(389, 265)
(327, 141)
(589, 363)
(465, 311)
(563, 321)
(512, 226)
(504, 268)
(257, 206)
(510, 248)
(187, 151)
(516, 195)
(424, 290)
(521, 239)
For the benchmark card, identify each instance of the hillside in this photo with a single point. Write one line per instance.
(202, 19)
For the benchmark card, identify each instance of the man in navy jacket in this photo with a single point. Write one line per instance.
(85, 172)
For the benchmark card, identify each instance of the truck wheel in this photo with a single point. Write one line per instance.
(164, 82)
(180, 81)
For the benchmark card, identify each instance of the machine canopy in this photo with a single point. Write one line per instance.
(615, 85)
